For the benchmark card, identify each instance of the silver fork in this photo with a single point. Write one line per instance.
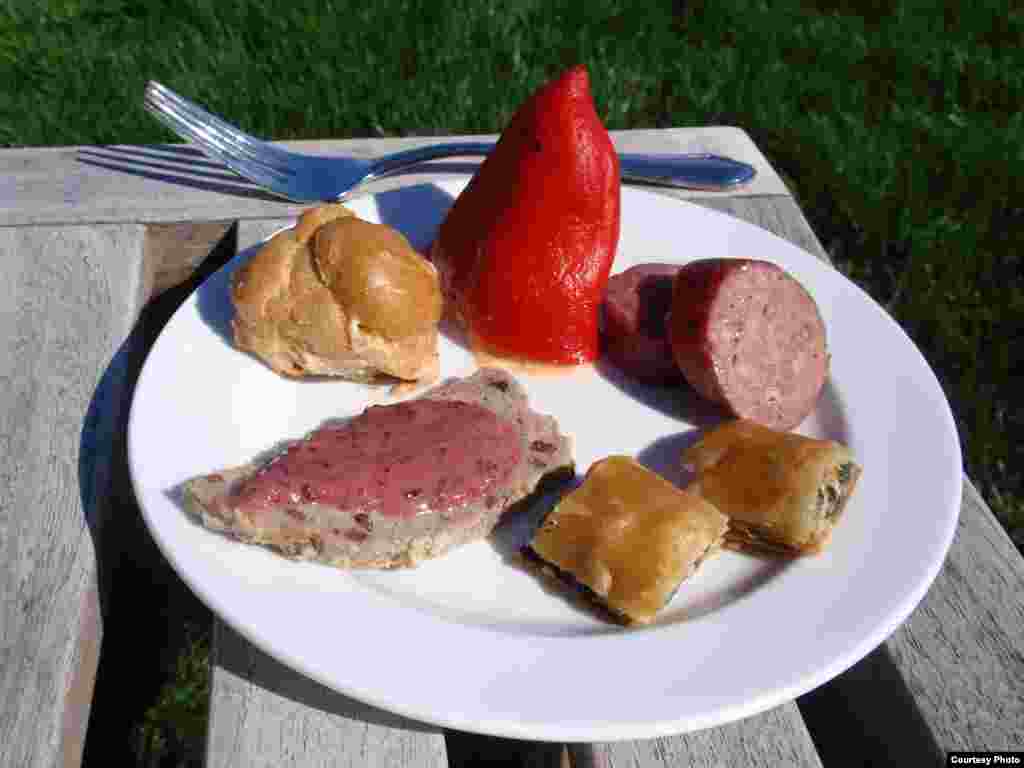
(309, 178)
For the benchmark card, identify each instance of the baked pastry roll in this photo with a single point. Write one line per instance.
(629, 536)
(783, 493)
(339, 296)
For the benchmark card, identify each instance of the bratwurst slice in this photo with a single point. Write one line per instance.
(635, 337)
(746, 334)
(395, 485)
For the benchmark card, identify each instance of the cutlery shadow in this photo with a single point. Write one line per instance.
(182, 153)
(159, 163)
(184, 165)
(223, 182)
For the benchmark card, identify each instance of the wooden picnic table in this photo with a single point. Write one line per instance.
(89, 236)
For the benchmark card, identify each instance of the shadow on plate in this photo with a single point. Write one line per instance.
(517, 524)
(692, 601)
(829, 417)
(694, 598)
(510, 539)
(678, 401)
(416, 211)
(664, 456)
(213, 297)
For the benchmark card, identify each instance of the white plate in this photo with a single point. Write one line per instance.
(471, 642)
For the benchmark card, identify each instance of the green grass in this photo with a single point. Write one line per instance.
(899, 127)
(175, 724)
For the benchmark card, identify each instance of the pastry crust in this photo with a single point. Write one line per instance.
(630, 536)
(291, 311)
(783, 492)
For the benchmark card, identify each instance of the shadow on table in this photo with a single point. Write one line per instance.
(295, 694)
(149, 615)
(867, 716)
(185, 165)
(244, 661)
(173, 164)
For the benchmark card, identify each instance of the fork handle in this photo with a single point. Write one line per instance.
(685, 171)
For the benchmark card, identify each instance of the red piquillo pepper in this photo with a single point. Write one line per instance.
(526, 250)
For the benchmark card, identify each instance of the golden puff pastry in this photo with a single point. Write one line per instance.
(339, 296)
(783, 493)
(630, 536)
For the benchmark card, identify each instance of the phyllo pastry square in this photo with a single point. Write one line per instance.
(783, 493)
(630, 536)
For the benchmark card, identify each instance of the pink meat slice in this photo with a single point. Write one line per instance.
(748, 335)
(395, 485)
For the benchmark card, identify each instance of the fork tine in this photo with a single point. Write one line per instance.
(258, 173)
(216, 129)
(179, 103)
(224, 143)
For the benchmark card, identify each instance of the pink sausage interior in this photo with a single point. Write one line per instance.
(753, 339)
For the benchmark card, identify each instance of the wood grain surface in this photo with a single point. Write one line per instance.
(176, 183)
(174, 251)
(775, 737)
(961, 654)
(68, 299)
(264, 714)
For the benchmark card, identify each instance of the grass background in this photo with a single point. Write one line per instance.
(898, 125)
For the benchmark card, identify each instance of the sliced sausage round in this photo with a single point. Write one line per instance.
(746, 334)
(635, 337)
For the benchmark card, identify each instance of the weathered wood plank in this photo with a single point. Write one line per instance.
(68, 296)
(173, 252)
(775, 737)
(962, 652)
(171, 183)
(265, 714)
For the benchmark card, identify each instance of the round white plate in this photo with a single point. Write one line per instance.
(473, 642)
